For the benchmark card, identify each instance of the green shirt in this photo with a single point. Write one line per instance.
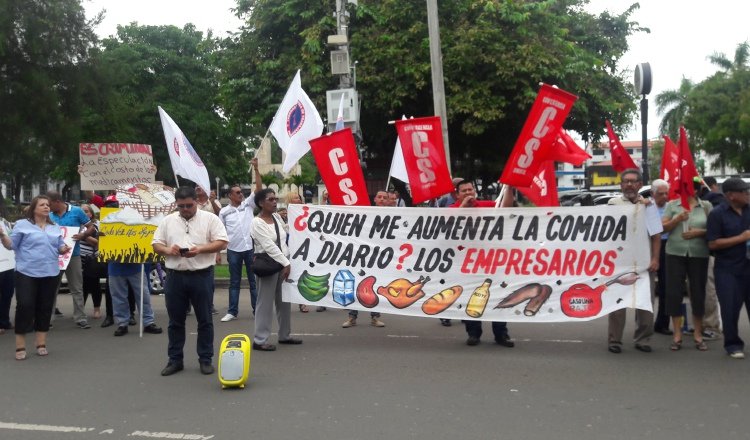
(676, 245)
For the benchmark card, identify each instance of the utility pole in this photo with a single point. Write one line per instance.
(436, 63)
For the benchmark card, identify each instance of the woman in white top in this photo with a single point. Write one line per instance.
(269, 234)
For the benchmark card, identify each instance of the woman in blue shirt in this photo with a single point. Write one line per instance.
(37, 243)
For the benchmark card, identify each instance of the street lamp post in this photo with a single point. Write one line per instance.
(642, 83)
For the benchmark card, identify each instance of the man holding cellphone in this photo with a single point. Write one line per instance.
(189, 240)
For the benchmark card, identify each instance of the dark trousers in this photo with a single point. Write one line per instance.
(474, 329)
(182, 289)
(6, 296)
(733, 290)
(696, 271)
(661, 321)
(35, 298)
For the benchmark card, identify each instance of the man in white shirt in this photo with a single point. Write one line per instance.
(237, 218)
(631, 181)
(189, 240)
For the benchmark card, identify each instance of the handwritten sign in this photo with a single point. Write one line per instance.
(105, 166)
(519, 264)
(124, 242)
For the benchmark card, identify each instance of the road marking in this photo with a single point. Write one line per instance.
(47, 428)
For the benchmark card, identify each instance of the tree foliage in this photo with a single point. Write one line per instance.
(43, 50)
(495, 53)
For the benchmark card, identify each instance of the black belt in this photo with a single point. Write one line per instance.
(190, 272)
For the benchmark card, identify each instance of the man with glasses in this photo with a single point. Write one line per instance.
(631, 181)
(189, 240)
(237, 218)
(727, 234)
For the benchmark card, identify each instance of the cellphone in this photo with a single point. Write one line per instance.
(183, 251)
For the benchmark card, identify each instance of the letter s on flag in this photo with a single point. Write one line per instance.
(338, 163)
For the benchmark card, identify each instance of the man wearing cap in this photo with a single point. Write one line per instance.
(728, 232)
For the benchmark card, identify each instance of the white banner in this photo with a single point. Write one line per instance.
(518, 265)
(105, 166)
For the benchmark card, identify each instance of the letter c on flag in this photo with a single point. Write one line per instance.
(339, 168)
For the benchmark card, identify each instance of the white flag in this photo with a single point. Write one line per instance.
(398, 166)
(185, 161)
(340, 116)
(296, 122)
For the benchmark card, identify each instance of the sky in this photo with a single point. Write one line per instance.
(683, 34)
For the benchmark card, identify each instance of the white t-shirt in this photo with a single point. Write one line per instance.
(238, 222)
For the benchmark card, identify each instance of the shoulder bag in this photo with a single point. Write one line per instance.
(263, 264)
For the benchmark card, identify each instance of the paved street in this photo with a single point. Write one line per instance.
(411, 379)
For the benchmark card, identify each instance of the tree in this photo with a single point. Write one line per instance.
(148, 66)
(495, 53)
(43, 50)
(673, 105)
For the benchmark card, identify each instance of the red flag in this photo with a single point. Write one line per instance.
(566, 150)
(338, 164)
(543, 190)
(424, 156)
(687, 170)
(621, 160)
(670, 169)
(538, 135)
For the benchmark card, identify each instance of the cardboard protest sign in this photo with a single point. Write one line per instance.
(520, 264)
(107, 165)
(7, 258)
(67, 233)
(125, 236)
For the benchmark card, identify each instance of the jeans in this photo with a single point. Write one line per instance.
(6, 296)
(733, 290)
(181, 289)
(236, 260)
(474, 329)
(118, 286)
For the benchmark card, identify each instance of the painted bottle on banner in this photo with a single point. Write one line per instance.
(343, 288)
(479, 299)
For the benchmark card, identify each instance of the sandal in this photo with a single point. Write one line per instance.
(20, 354)
(41, 350)
(676, 345)
(303, 308)
(701, 346)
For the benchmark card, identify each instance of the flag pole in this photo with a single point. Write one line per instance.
(388, 183)
(502, 194)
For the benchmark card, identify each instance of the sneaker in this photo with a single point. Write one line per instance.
(171, 369)
(737, 355)
(228, 317)
(207, 368)
(321, 309)
(710, 335)
(121, 330)
(83, 324)
(351, 322)
(375, 322)
(472, 341)
(153, 329)
(445, 322)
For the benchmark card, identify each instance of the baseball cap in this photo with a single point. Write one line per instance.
(734, 184)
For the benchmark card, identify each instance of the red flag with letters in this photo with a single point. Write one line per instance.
(543, 190)
(621, 160)
(670, 168)
(538, 136)
(424, 156)
(338, 164)
(687, 170)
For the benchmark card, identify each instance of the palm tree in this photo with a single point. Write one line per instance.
(673, 104)
(741, 57)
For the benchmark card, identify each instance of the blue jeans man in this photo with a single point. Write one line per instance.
(122, 279)
(236, 260)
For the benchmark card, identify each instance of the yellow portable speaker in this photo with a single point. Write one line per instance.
(234, 360)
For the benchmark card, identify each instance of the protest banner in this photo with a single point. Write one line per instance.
(107, 165)
(67, 233)
(520, 264)
(125, 237)
(7, 257)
